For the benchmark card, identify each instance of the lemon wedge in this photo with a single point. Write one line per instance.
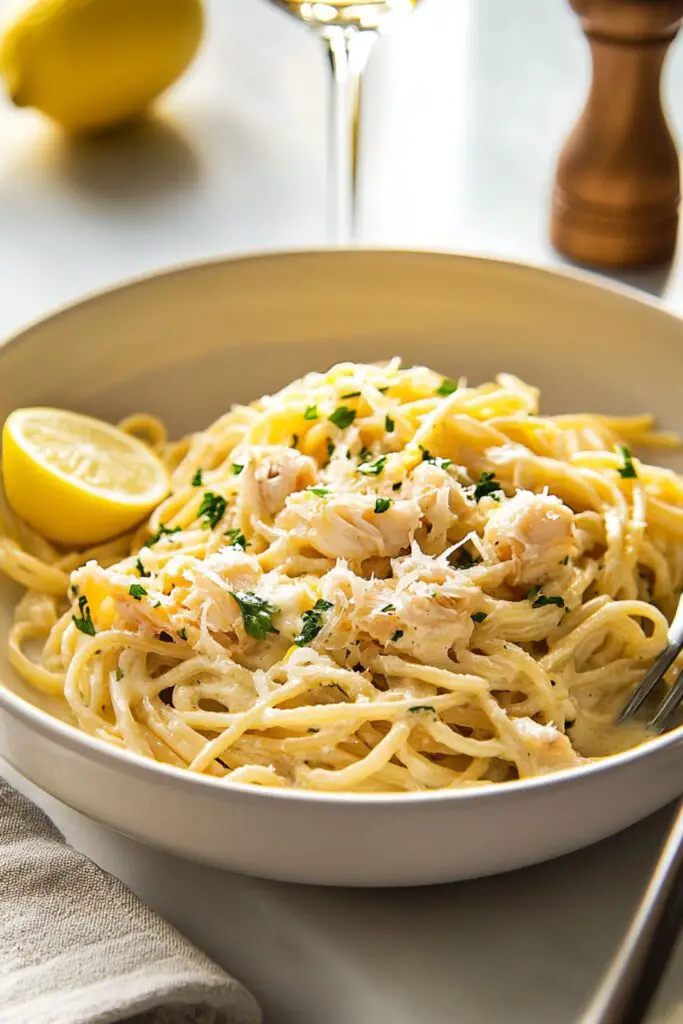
(77, 480)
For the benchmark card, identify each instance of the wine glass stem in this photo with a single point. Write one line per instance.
(349, 50)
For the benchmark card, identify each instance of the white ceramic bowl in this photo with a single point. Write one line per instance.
(185, 345)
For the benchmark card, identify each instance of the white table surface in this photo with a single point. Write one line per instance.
(465, 110)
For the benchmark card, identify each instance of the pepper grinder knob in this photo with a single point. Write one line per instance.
(617, 187)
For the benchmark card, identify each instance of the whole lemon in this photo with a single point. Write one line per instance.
(91, 64)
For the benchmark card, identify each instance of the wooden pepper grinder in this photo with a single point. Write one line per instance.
(615, 201)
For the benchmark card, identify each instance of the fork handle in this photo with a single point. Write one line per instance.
(631, 981)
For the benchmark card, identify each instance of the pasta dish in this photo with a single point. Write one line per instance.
(376, 580)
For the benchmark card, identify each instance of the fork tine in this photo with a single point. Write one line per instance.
(668, 706)
(663, 662)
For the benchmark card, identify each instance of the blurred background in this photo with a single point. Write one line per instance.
(466, 104)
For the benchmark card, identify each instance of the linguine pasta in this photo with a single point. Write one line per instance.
(375, 580)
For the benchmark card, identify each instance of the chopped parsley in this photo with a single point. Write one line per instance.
(197, 479)
(364, 454)
(212, 508)
(84, 621)
(295, 440)
(119, 674)
(166, 638)
(396, 486)
(447, 387)
(373, 468)
(541, 601)
(565, 560)
(434, 459)
(140, 567)
(237, 539)
(342, 417)
(137, 591)
(320, 492)
(487, 484)
(330, 449)
(312, 623)
(532, 593)
(182, 633)
(388, 608)
(628, 470)
(465, 559)
(237, 468)
(479, 616)
(383, 505)
(352, 394)
(311, 412)
(257, 614)
(163, 531)
(421, 707)
(389, 425)
(383, 391)
(396, 636)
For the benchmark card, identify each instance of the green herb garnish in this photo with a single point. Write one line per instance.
(163, 531)
(311, 412)
(182, 633)
(237, 538)
(140, 567)
(137, 591)
(352, 394)
(237, 468)
(465, 559)
(421, 707)
(342, 417)
(396, 636)
(383, 505)
(541, 601)
(628, 470)
(257, 614)
(212, 508)
(388, 608)
(396, 486)
(447, 387)
(389, 425)
(84, 621)
(119, 674)
(320, 492)
(312, 623)
(295, 441)
(435, 460)
(479, 616)
(197, 479)
(330, 449)
(372, 468)
(487, 484)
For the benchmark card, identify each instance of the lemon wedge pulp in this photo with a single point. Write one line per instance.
(76, 480)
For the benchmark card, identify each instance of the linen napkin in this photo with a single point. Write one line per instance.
(77, 947)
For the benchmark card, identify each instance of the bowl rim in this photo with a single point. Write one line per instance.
(108, 756)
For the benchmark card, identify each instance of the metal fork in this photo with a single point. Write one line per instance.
(663, 715)
(631, 981)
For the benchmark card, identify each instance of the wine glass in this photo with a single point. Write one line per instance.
(349, 28)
